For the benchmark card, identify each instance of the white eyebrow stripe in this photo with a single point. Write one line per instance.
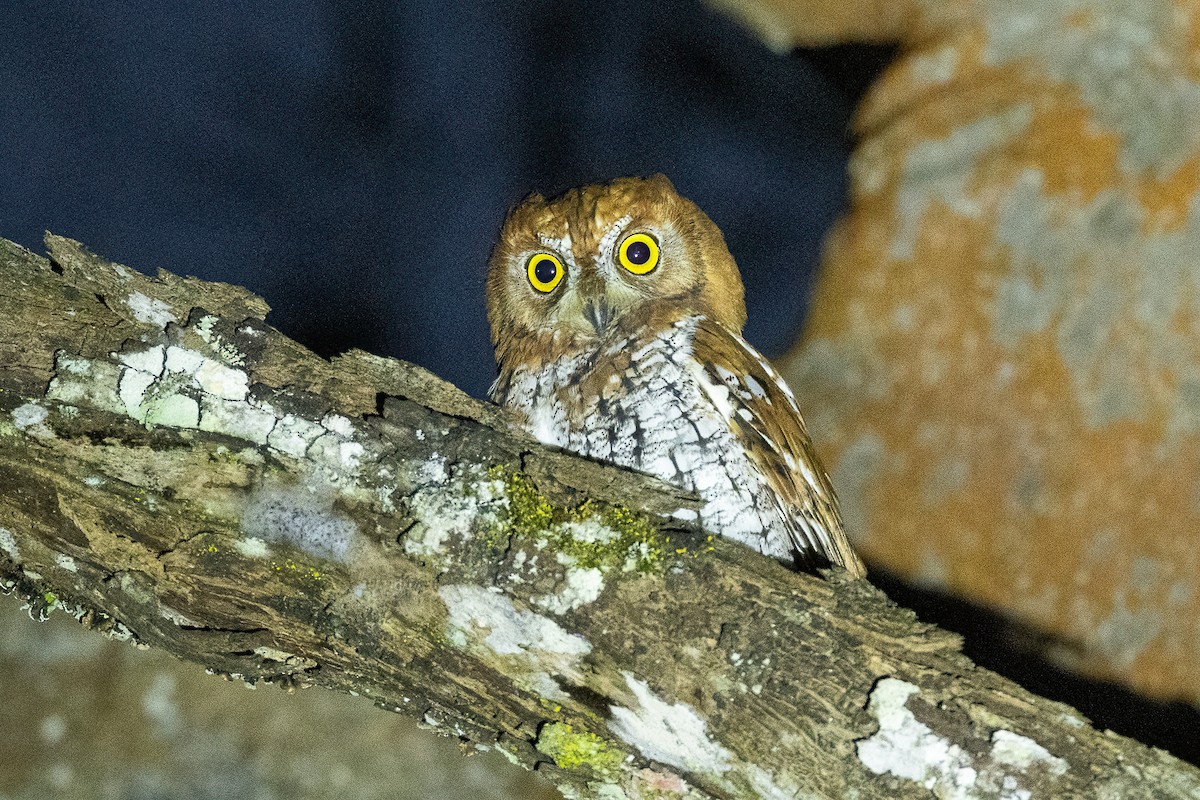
(562, 246)
(609, 240)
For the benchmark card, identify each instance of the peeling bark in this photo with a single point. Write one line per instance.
(175, 472)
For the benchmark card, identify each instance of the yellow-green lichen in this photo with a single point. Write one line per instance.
(635, 541)
(573, 749)
(529, 513)
(291, 566)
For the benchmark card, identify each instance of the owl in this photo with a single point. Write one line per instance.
(616, 313)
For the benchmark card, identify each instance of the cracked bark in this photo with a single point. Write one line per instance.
(175, 472)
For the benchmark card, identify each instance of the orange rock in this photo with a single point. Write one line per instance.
(1002, 365)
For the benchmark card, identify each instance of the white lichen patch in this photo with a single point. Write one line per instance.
(601, 791)
(65, 363)
(132, 390)
(173, 411)
(529, 647)
(204, 327)
(383, 498)
(208, 375)
(350, 455)
(221, 381)
(439, 518)
(338, 424)
(252, 547)
(220, 346)
(589, 531)
(150, 310)
(336, 454)
(9, 544)
(249, 421)
(65, 562)
(765, 786)
(293, 435)
(183, 360)
(908, 748)
(452, 512)
(580, 587)
(432, 470)
(28, 415)
(670, 733)
(685, 514)
(577, 585)
(150, 361)
(301, 515)
(183, 388)
(80, 381)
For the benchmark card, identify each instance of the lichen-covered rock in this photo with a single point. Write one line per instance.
(1002, 365)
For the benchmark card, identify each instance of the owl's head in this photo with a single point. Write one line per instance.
(600, 260)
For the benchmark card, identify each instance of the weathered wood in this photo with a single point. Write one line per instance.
(176, 472)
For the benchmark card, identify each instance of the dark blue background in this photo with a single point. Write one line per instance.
(353, 164)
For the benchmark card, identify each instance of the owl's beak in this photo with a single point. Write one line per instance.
(599, 313)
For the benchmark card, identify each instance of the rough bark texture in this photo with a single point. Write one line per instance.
(175, 472)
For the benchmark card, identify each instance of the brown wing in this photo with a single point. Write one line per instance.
(766, 419)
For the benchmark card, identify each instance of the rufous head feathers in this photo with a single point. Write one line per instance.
(600, 258)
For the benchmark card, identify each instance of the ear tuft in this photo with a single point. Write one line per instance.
(663, 181)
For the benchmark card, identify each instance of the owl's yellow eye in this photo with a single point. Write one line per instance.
(545, 272)
(638, 253)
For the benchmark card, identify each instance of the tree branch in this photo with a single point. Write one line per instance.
(176, 472)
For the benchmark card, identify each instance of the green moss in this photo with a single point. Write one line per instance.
(530, 515)
(571, 749)
(637, 539)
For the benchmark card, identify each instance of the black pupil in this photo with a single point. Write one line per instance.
(545, 270)
(638, 252)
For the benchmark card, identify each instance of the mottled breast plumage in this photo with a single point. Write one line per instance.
(616, 313)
